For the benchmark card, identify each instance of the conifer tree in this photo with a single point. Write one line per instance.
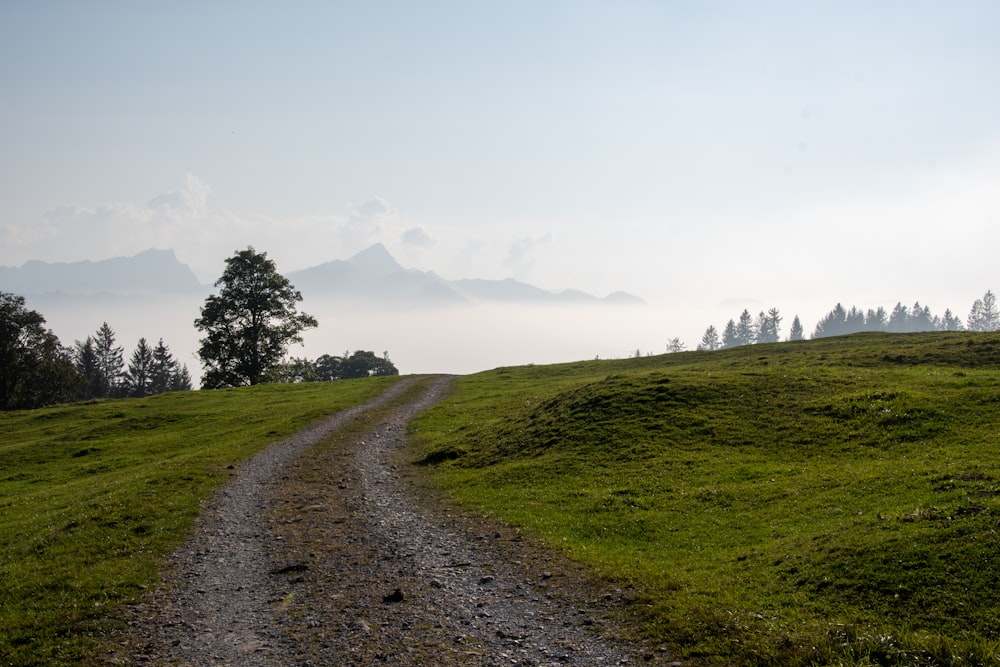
(730, 338)
(110, 363)
(745, 331)
(710, 341)
(181, 379)
(796, 333)
(138, 379)
(876, 319)
(949, 322)
(898, 319)
(769, 326)
(85, 359)
(162, 370)
(984, 315)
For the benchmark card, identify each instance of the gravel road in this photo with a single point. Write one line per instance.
(322, 550)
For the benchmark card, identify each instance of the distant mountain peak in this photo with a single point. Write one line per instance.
(370, 276)
(376, 259)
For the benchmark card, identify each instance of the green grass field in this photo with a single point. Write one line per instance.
(91, 495)
(823, 502)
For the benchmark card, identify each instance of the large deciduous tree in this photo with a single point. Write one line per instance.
(249, 324)
(35, 370)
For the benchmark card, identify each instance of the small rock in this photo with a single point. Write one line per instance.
(395, 596)
(291, 567)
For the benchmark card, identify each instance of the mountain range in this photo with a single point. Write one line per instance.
(372, 276)
(149, 272)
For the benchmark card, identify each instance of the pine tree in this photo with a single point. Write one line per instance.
(984, 315)
(110, 363)
(991, 315)
(138, 378)
(710, 341)
(949, 322)
(746, 333)
(769, 326)
(796, 333)
(86, 362)
(832, 324)
(920, 319)
(854, 321)
(729, 335)
(876, 320)
(675, 345)
(162, 370)
(181, 379)
(898, 319)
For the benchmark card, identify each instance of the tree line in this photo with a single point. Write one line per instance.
(766, 326)
(248, 326)
(37, 370)
(326, 368)
(150, 370)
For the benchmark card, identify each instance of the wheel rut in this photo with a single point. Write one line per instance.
(321, 551)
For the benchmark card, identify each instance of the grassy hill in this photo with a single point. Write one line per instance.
(91, 495)
(824, 502)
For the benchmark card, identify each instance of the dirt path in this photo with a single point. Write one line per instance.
(316, 553)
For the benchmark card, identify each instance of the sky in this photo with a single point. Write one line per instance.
(706, 156)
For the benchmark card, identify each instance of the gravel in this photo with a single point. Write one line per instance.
(325, 550)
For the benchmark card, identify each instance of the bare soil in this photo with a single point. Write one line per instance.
(325, 549)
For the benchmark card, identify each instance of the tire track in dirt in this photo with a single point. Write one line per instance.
(320, 555)
(215, 605)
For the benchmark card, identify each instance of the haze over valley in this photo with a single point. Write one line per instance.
(704, 157)
(369, 301)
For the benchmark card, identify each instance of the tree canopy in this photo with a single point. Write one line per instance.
(35, 370)
(360, 364)
(250, 323)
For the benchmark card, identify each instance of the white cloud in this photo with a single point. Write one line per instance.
(366, 224)
(416, 236)
(191, 200)
(520, 256)
(374, 208)
(202, 236)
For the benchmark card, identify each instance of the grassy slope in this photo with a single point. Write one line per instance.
(831, 501)
(92, 494)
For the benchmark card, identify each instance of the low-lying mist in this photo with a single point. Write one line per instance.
(452, 339)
